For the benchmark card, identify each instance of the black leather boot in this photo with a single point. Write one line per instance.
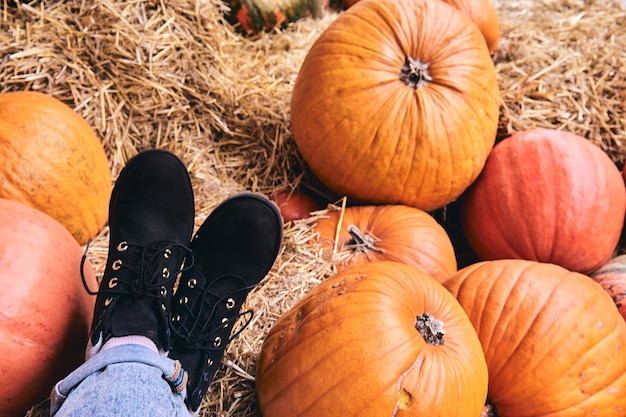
(151, 220)
(233, 251)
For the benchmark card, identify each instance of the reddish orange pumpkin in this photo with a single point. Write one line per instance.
(52, 160)
(45, 311)
(612, 277)
(549, 196)
(296, 205)
(553, 340)
(379, 339)
(362, 234)
(481, 12)
(397, 102)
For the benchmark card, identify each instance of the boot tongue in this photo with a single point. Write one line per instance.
(135, 316)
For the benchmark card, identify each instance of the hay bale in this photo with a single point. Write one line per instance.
(175, 75)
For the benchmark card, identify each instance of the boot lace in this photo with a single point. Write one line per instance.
(207, 321)
(148, 279)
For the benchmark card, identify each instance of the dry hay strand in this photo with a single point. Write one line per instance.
(562, 65)
(174, 75)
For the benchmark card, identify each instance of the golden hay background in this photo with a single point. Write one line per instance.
(174, 75)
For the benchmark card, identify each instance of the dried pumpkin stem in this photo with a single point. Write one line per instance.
(430, 328)
(414, 73)
(361, 242)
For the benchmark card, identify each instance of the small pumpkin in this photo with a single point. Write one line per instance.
(553, 340)
(481, 12)
(52, 160)
(379, 339)
(361, 234)
(256, 16)
(46, 312)
(397, 102)
(612, 277)
(549, 196)
(297, 204)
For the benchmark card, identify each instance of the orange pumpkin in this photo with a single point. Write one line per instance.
(612, 277)
(52, 160)
(46, 313)
(379, 339)
(548, 196)
(481, 12)
(397, 102)
(362, 234)
(553, 340)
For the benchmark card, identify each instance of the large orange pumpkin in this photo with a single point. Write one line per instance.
(397, 102)
(481, 12)
(361, 234)
(52, 160)
(549, 196)
(554, 342)
(379, 339)
(46, 313)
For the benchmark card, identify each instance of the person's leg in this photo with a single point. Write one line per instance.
(151, 219)
(124, 380)
(233, 250)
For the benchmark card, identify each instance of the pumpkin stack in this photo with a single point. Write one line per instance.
(396, 108)
(395, 105)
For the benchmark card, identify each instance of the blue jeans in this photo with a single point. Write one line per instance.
(127, 380)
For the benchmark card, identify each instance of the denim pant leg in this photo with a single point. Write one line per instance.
(126, 380)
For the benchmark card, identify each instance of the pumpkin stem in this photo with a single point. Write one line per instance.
(362, 242)
(430, 328)
(414, 73)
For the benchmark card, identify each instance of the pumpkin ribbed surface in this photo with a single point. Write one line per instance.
(397, 102)
(548, 196)
(612, 277)
(367, 342)
(52, 160)
(553, 339)
(362, 234)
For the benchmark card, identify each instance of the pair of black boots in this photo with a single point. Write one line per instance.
(184, 293)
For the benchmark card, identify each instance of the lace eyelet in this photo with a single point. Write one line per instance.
(192, 283)
(165, 273)
(113, 282)
(183, 300)
(225, 322)
(209, 362)
(167, 253)
(163, 291)
(116, 265)
(230, 304)
(108, 301)
(176, 318)
(217, 342)
(122, 246)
